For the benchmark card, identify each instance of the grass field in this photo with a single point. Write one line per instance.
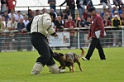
(16, 67)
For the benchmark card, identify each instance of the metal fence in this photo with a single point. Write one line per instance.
(21, 41)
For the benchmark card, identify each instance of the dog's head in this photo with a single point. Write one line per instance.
(59, 57)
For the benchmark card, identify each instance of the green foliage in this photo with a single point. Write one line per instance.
(16, 67)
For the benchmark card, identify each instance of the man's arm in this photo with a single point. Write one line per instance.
(101, 26)
(63, 3)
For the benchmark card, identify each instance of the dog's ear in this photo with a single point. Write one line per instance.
(55, 54)
(61, 54)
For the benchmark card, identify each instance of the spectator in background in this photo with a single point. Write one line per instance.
(12, 24)
(21, 25)
(70, 24)
(30, 14)
(89, 4)
(59, 23)
(6, 17)
(81, 7)
(1, 29)
(67, 11)
(87, 23)
(106, 2)
(102, 13)
(1, 24)
(122, 15)
(11, 5)
(26, 21)
(86, 14)
(52, 4)
(19, 16)
(106, 20)
(12, 14)
(21, 29)
(3, 6)
(53, 16)
(87, 26)
(71, 4)
(116, 9)
(116, 22)
(78, 22)
(82, 21)
(118, 3)
(44, 10)
(11, 27)
(64, 16)
(52, 11)
(115, 13)
(37, 12)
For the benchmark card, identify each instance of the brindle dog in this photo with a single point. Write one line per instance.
(68, 59)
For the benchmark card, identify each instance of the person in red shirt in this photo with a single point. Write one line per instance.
(11, 5)
(96, 25)
(106, 20)
(70, 24)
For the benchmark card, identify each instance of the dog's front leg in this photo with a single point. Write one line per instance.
(69, 69)
(77, 61)
(73, 67)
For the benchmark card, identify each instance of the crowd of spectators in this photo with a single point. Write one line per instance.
(15, 20)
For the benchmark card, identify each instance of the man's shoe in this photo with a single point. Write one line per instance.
(85, 59)
(55, 69)
(103, 59)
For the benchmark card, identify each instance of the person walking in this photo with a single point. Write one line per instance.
(40, 28)
(96, 25)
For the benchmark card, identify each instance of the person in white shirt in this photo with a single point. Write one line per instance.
(12, 24)
(12, 14)
(26, 21)
(40, 28)
(19, 16)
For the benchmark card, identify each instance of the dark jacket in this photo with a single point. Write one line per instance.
(96, 24)
(70, 3)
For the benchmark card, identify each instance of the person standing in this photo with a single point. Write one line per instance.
(96, 25)
(42, 26)
(52, 4)
(11, 5)
(106, 2)
(118, 3)
(71, 4)
(81, 7)
(3, 6)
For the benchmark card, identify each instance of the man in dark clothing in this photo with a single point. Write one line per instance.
(96, 25)
(71, 4)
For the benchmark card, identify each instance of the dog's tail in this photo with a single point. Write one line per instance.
(82, 53)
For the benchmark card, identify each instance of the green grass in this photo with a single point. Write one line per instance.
(16, 67)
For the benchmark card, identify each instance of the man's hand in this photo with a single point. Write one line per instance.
(88, 37)
(55, 35)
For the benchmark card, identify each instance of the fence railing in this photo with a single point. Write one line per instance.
(21, 41)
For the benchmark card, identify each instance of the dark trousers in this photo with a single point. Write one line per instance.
(72, 13)
(95, 43)
(53, 7)
(40, 43)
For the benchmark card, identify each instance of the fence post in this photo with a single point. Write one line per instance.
(123, 38)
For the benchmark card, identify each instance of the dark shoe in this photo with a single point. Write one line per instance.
(103, 59)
